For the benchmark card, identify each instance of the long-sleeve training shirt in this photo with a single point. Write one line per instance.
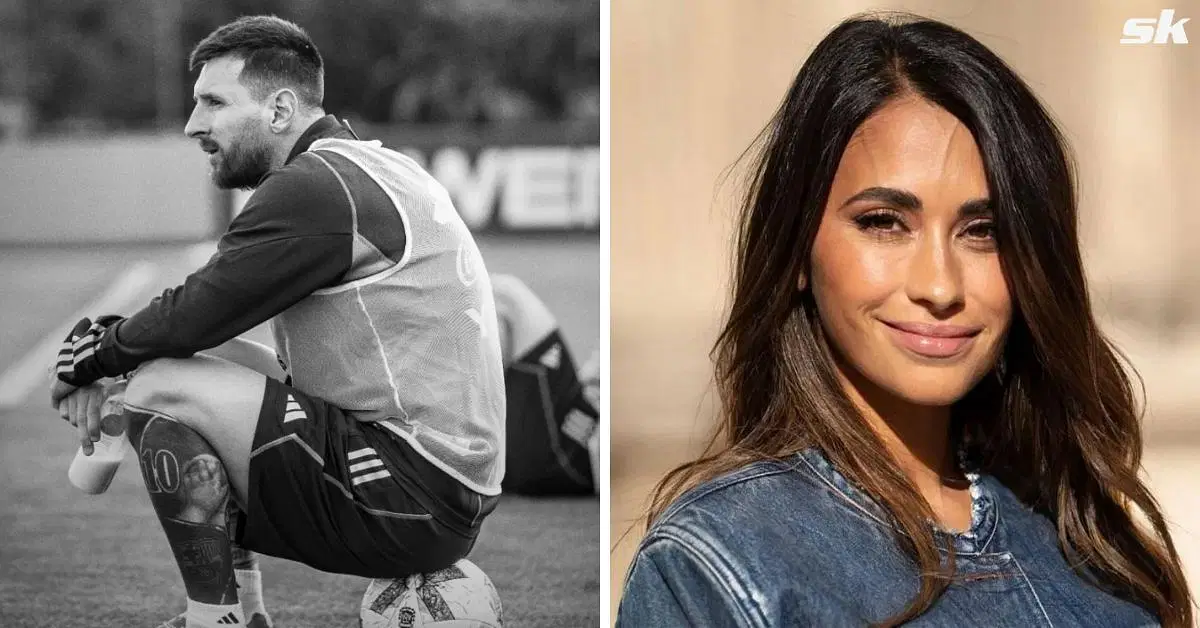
(376, 292)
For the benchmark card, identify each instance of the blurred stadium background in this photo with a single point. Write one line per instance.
(692, 83)
(105, 204)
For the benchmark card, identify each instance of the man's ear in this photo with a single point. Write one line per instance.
(285, 106)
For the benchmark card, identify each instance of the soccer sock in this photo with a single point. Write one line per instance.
(250, 592)
(201, 615)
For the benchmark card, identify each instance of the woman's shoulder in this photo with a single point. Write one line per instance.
(741, 542)
(738, 488)
(743, 506)
(707, 548)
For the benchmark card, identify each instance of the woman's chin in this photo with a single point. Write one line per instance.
(941, 393)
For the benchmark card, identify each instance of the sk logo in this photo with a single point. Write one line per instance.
(1146, 30)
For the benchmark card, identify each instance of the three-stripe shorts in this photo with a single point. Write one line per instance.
(348, 497)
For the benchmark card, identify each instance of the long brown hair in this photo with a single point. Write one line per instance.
(1058, 423)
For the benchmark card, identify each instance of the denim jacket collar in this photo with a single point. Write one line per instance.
(793, 542)
(984, 513)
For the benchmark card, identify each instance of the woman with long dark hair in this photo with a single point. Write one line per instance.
(921, 420)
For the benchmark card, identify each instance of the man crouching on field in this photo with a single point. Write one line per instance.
(373, 443)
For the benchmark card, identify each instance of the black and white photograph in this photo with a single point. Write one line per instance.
(905, 313)
(302, 307)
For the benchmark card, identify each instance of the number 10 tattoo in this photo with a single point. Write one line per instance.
(189, 490)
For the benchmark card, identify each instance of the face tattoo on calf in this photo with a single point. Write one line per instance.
(190, 492)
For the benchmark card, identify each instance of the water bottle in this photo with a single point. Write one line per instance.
(92, 474)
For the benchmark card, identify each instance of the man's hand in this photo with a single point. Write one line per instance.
(81, 408)
(58, 394)
(77, 363)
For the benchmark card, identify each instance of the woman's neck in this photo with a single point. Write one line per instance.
(918, 439)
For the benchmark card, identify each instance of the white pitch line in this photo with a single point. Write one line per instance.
(32, 371)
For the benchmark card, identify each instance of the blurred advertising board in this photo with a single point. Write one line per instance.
(155, 187)
(514, 179)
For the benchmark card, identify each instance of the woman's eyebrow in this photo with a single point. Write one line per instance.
(975, 208)
(907, 201)
(900, 199)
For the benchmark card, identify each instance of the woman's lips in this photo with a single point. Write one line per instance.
(932, 341)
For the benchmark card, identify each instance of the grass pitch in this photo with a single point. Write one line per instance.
(69, 559)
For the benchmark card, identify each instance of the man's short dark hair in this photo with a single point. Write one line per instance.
(276, 52)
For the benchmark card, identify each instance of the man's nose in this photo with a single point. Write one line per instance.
(197, 125)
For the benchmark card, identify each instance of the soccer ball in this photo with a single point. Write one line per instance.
(461, 596)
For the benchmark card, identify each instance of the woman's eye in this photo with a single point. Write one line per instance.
(981, 230)
(882, 222)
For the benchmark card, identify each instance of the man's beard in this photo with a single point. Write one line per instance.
(243, 164)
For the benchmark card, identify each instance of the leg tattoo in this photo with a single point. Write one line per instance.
(190, 492)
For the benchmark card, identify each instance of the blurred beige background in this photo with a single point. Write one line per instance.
(694, 80)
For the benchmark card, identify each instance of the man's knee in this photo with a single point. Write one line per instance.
(158, 383)
(214, 400)
(194, 391)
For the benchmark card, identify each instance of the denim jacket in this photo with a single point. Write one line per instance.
(796, 544)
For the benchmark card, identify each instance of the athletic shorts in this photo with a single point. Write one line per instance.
(549, 420)
(348, 497)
